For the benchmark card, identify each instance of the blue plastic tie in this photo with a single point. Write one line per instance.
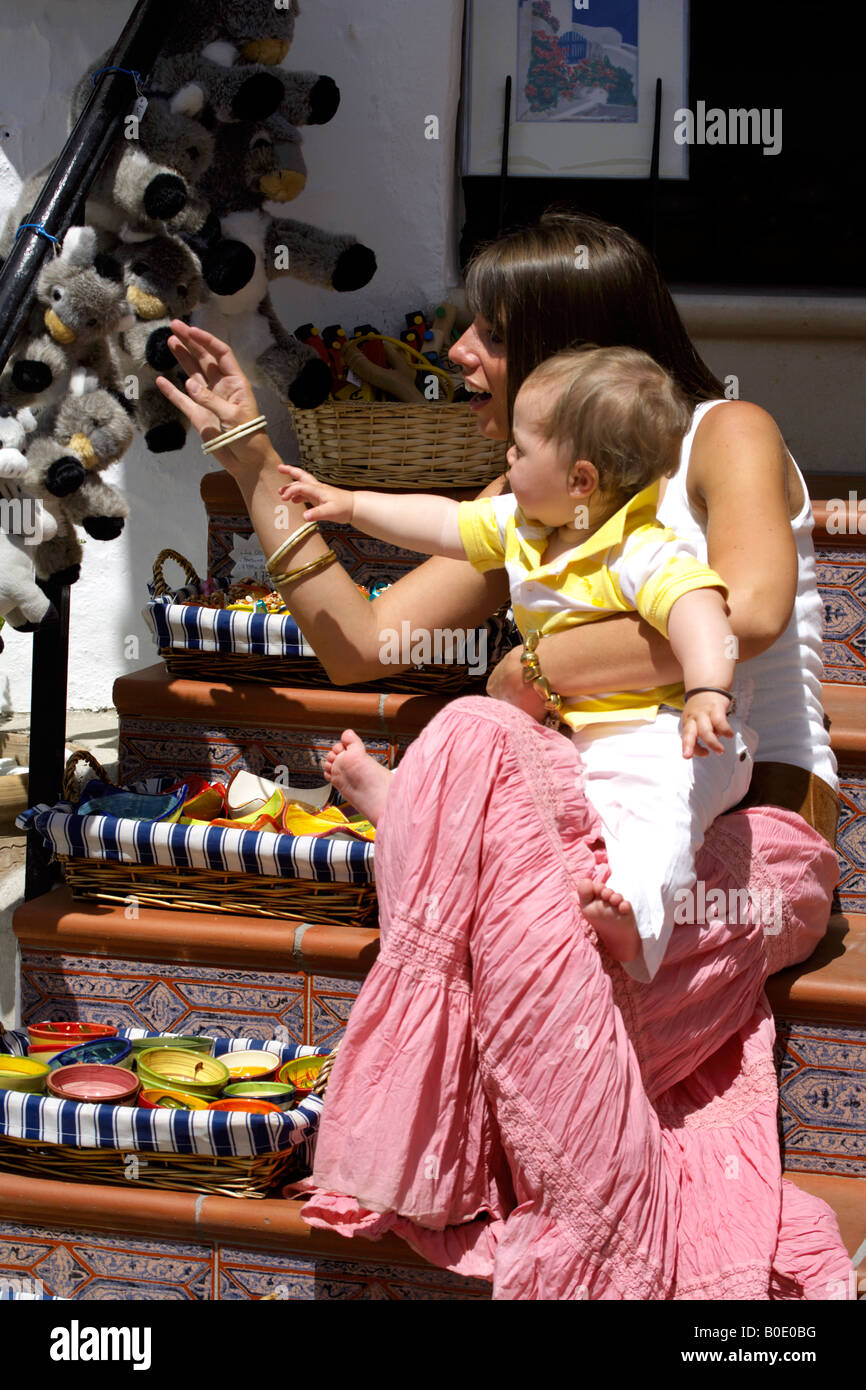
(130, 72)
(42, 230)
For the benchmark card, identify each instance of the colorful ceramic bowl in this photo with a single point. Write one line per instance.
(69, 1032)
(91, 1081)
(194, 1072)
(23, 1074)
(161, 1098)
(109, 1051)
(276, 1092)
(252, 1107)
(301, 1073)
(251, 1065)
(46, 1052)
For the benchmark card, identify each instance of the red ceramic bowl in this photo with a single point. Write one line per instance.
(68, 1033)
(91, 1081)
(252, 1107)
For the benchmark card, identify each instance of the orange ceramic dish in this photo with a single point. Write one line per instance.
(68, 1033)
(252, 1107)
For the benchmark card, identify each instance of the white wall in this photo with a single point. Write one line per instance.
(371, 172)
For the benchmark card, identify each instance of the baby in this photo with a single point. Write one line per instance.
(594, 431)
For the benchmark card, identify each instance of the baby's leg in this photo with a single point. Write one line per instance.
(361, 780)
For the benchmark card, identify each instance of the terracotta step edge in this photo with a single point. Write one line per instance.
(56, 922)
(260, 1223)
(155, 694)
(831, 984)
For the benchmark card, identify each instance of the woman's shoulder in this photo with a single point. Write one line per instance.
(737, 442)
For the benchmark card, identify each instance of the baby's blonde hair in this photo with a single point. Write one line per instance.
(617, 408)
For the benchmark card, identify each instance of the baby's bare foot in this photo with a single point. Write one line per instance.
(612, 917)
(361, 780)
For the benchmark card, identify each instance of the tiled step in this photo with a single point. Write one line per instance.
(84, 1241)
(820, 1010)
(177, 726)
(189, 972)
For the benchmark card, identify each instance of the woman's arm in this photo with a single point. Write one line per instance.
(343, 627)
(738, 469)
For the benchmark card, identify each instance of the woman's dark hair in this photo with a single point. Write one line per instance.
(572, 279)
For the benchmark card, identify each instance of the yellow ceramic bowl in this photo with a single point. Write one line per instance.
(162, 1098)
(251, 1065)
(180, 1070)
(23, 1074)
(301, 1072)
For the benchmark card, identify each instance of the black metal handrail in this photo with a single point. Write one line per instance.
(62, 195)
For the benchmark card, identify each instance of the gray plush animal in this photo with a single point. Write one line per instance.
(23, 524)
(252, 164)
(79, 300)
(89, 433)
(163, 281)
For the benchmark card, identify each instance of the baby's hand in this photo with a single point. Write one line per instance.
(328, 503)
(705, 717)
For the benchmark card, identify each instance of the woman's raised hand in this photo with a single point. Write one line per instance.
(328, 503)
(217, 394)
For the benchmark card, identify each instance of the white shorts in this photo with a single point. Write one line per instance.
(655, 807)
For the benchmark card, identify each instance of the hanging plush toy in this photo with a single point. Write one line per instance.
(23, 524)
(162, 278)
(79, 300)
(89, 433)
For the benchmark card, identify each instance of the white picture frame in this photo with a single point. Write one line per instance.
(578, 135)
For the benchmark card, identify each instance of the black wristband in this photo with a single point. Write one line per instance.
(712, 690)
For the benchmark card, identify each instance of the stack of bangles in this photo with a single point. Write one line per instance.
(233, 435)
(280, 577)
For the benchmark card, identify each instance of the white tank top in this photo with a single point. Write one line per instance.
(786, 708)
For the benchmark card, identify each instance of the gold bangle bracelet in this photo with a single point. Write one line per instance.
(289, 545)
(231, 436)
(289, 576)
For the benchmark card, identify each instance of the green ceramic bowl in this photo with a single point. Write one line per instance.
(182, 1070)
(191, 1044)
(275, 1091)
(23, 1074)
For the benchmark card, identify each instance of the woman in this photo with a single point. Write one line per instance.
(544, 1121)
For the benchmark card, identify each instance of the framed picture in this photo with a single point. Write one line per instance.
(583, 86)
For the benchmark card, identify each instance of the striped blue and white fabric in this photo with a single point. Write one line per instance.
(185, 627)
(224, 1134)
(321, 859)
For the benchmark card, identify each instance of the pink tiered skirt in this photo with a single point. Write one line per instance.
(509, 1102)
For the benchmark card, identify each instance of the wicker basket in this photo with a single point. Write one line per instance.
(249, 1176)
(209, 890)
(450, 679)
(406, 447)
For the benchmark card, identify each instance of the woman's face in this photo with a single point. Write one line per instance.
(480, 353)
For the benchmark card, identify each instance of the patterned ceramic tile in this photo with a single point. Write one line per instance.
(851, 839)
(151, 747)
(75, 1265)
(822, 1097)
(173, 996)
(253, 1274)
(842, 581)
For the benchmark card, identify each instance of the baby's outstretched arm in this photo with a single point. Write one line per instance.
(705, 647)
(413, 520)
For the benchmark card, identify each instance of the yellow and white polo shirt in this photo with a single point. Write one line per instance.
(631, 563)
